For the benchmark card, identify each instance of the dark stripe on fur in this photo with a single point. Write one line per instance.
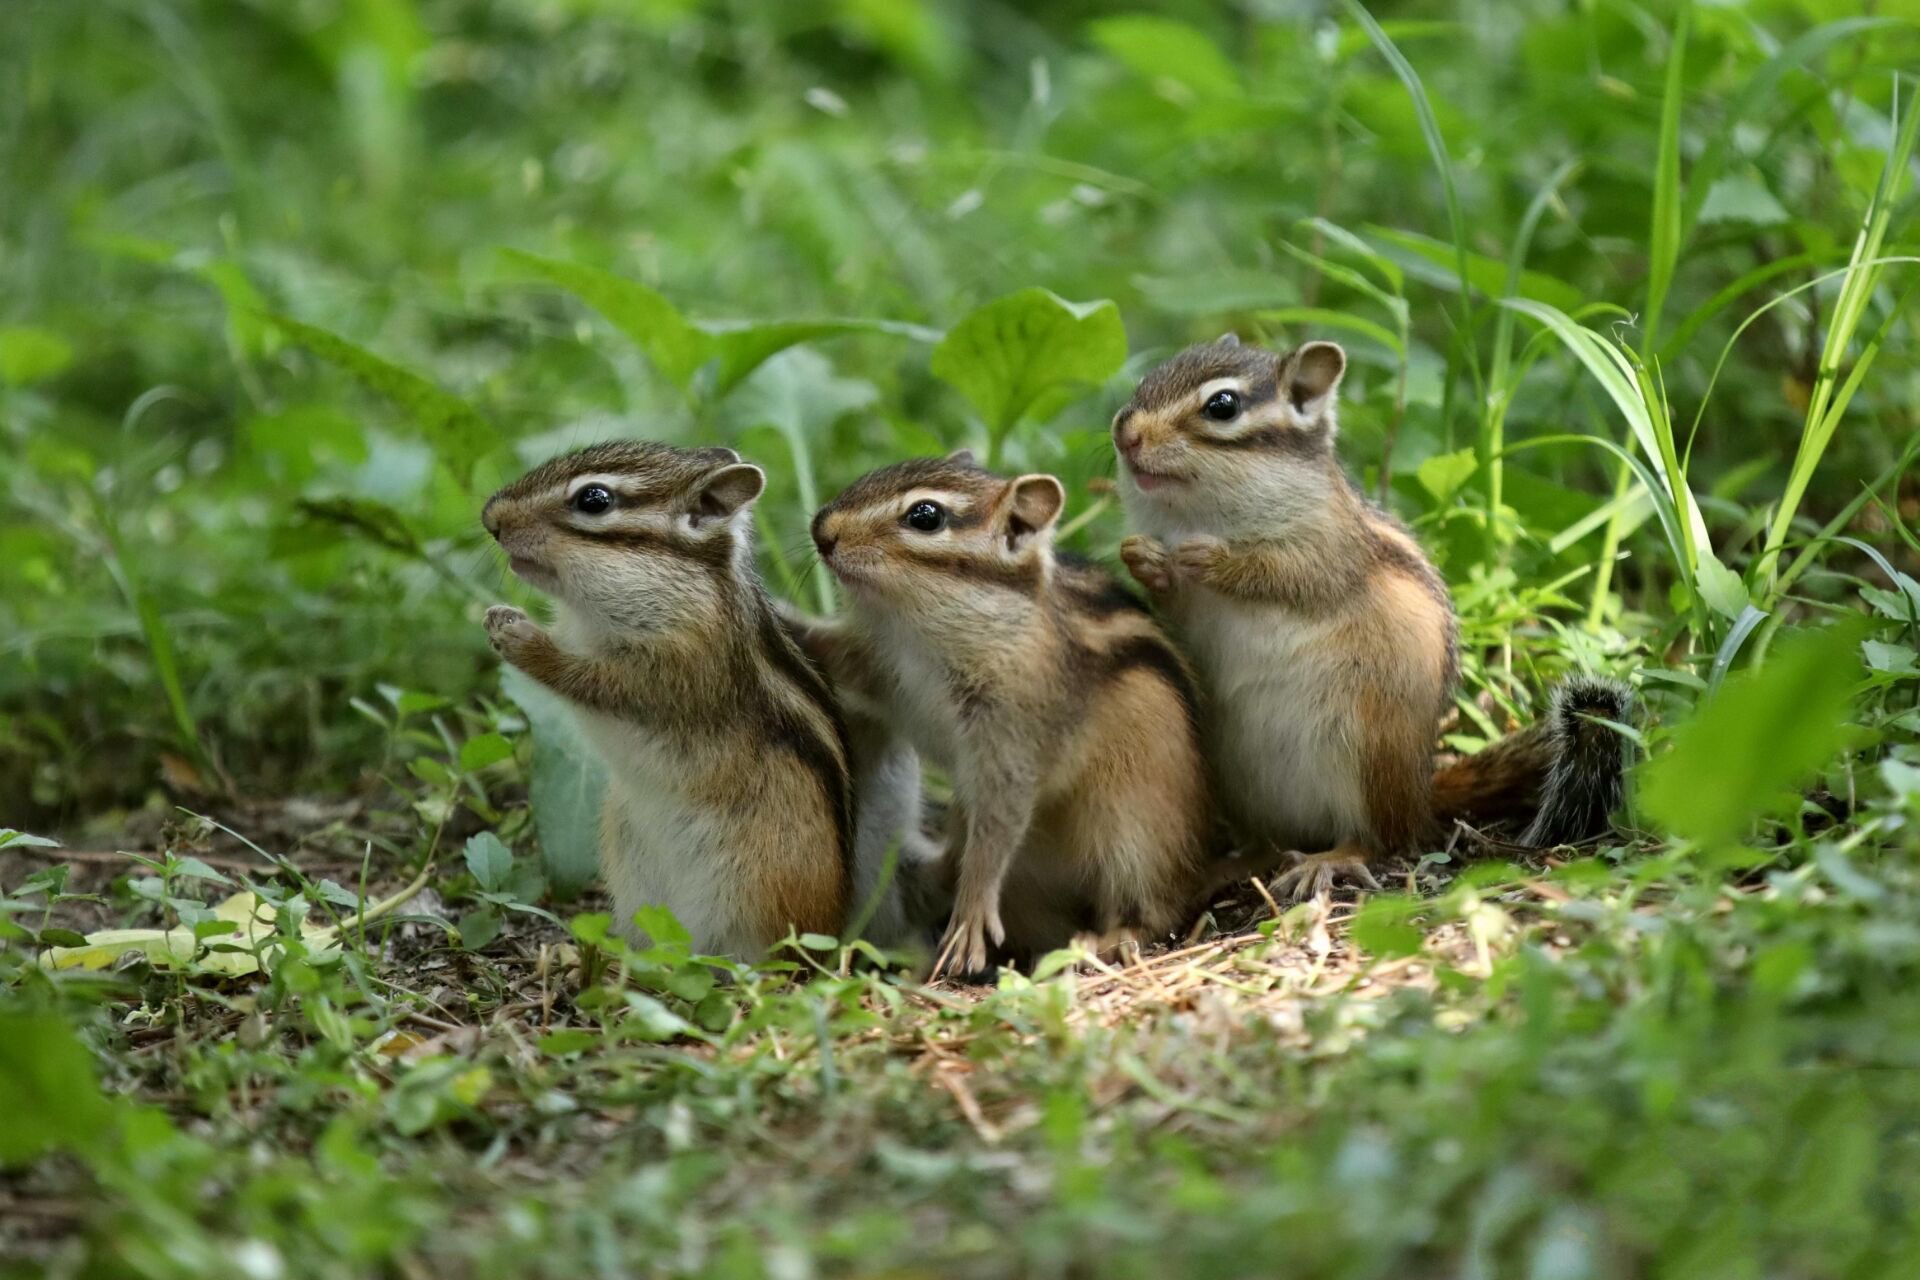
(714, 552)
(1092, 590)
(803, 739)
(1293, 442)
(1020, 575)
(1152, 653)
(792, 733)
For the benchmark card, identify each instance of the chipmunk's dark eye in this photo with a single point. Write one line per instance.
(1222, 406)
(593, 499)
(927, 517)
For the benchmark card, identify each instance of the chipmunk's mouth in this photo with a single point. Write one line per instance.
(1148, 481)
(850, 566)
(529, 570)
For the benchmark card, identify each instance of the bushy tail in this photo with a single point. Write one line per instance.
(1558, 780)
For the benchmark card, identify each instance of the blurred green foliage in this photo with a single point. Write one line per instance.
(287, 286)
(212, 538)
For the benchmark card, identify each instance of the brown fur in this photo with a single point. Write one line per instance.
(1063, 715)
(666, 629)
(1290, 534)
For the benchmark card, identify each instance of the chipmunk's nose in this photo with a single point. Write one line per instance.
(1126, 438)
(822, 539)
(490, 520)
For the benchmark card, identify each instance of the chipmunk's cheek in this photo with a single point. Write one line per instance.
(853, 565)
(527, 558)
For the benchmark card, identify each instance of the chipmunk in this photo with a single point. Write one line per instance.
(729, 799)
(1324, 638)
(1064, 718)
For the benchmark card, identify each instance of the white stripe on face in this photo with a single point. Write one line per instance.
(611, 483)
(1252, 417)
(1236, 385)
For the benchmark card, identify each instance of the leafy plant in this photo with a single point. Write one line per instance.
(1028, 349)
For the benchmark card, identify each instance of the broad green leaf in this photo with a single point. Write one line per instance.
(564, 787)
(1170, 54)
(1008, 353)
(1443, 473)
(29, 354)
(490, 861)
(743, 346)
(484, 749)
(680, 348)
(653, 324)
(591, 927)
(662, 927)
(1720, 586)
(8, 836)
(1764, 733)
(1902, 779)
(1738, 198)
(1893, 659)
(53, 1100)
(193, 868)
(480, 926)
(458, 434)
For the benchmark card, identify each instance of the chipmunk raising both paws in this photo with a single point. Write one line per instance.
(1063, 716)
(729, 799)
(1323, 636)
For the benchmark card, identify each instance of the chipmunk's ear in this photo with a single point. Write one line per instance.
(1033, 503)
(962, 458)
(727, 490)
(1312, 375)
(1227, 339)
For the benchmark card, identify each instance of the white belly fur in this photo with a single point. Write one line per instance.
(658, 848)
(1280, 728)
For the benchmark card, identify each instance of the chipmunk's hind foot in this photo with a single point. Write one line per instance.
(1315, 874)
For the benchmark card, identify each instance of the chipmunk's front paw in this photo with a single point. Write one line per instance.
(964, 949)
(1146, 559)
(510, 630)
(1195, 558)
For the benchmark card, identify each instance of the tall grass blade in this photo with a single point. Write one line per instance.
(1861, 278)
(1437, 145)
(1663, 249)
(1500, 385)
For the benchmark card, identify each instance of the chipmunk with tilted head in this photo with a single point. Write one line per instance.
(1044, 689)
(1323, 636)
(729, 798)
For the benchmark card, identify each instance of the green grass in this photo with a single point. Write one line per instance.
(287, 289)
